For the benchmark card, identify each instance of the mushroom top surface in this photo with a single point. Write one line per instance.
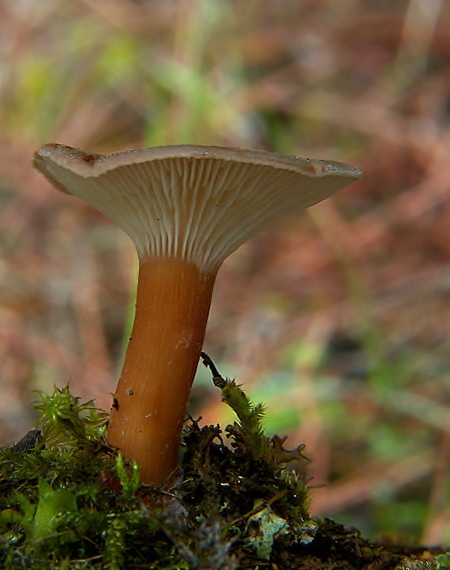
(197, 203)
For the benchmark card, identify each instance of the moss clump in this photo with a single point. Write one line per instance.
(67, 500)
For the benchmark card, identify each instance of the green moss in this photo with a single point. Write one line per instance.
(67, 500)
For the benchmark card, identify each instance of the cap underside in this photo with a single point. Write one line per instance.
(196, 203)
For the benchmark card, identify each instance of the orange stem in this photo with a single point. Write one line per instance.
(172, 306)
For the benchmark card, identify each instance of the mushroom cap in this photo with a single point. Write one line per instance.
(197, 203)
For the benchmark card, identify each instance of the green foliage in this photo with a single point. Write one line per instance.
(249, 416)
(248, 435)
(130, 483)
(68, 501)
(44, 519)
(443, 560)
(64, 419)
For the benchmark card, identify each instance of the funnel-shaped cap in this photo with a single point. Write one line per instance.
(197, 203)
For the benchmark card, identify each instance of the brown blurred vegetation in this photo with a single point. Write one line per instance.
(338, 321)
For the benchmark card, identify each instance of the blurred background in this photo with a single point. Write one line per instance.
(337, 320)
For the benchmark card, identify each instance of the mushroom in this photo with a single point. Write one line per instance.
(186, 208)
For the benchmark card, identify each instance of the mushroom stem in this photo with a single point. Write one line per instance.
(172, 306)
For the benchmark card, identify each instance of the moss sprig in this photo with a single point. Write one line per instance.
(248, 433)
(63, 418)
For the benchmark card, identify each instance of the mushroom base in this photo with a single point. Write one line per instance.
(172, 306)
